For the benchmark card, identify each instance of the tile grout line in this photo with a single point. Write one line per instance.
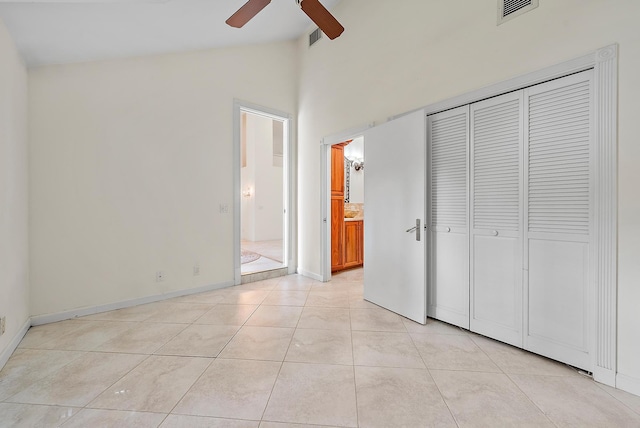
(531, 400)
(44, 377)
(266, 406)
(511, 380)
(187, 391)
(86, 406)
(213, 359)
(455, 420)
(177, 356)
(616, 398)
(486, 354)
(355, 381)
(152, 354)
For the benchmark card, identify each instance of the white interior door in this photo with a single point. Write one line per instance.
(394, 200)
(559, 217)
(496, 220)
(448, 235)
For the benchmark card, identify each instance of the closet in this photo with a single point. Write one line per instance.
(511, 217)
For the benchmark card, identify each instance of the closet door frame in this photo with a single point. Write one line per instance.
(604, 62)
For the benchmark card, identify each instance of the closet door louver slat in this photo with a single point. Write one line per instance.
(449, 171)
(497, 167)
(554, 144)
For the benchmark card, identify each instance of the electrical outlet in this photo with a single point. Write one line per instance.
(224, 209)
(159, 276)
(196, 269)
(3, 325)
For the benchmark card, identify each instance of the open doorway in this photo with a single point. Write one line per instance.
(347, 205)
(262, 229)
(343, 202)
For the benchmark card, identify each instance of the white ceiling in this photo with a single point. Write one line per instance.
(65, 31)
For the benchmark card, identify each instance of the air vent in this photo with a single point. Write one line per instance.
(315, 36)
(509, 9)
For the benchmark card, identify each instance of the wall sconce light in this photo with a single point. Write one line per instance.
(356, 163)
(247, 192)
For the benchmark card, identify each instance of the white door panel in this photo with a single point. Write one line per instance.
(558, 218)
(496, 219)
(394, 198)
(557, 296)
(497, 302)
(449, 290)
(448, 188)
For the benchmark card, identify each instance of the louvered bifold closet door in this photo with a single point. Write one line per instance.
(558, 217)
(496, 230)
(448, 279)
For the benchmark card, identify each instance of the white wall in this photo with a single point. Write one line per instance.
(355, 150)
(14, 250)
(130, 162)
(414, 53)
(262, 212)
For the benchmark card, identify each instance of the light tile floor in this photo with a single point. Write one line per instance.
(271, 253)
(288, 351)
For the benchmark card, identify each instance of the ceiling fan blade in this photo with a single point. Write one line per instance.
(246, 12)
(84, 1)
(322, 18)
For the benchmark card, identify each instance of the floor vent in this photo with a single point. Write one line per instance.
(509, 9)
(315, 36)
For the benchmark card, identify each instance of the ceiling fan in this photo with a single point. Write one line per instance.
(313, 8)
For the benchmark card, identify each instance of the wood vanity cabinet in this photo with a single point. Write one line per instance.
(347, 237)
(337, 170)
(337, 207)
(353, 243)
(337, 233)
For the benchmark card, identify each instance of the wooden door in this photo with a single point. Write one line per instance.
(337, 170)
(337, 207)
(496, 218)
(337, 233)
(361, 247)
(352, 243)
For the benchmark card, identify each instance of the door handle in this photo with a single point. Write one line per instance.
(416, 228)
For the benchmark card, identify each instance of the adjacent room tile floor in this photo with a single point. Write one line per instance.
(289, 352)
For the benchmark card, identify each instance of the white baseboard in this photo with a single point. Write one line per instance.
(61, 316)
(310, 274)
(628, 384)
(6, 354)
(604, 376)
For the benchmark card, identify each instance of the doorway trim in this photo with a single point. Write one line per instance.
(289, 239)
(325, 192)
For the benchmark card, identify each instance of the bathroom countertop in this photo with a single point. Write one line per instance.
(354, 219)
